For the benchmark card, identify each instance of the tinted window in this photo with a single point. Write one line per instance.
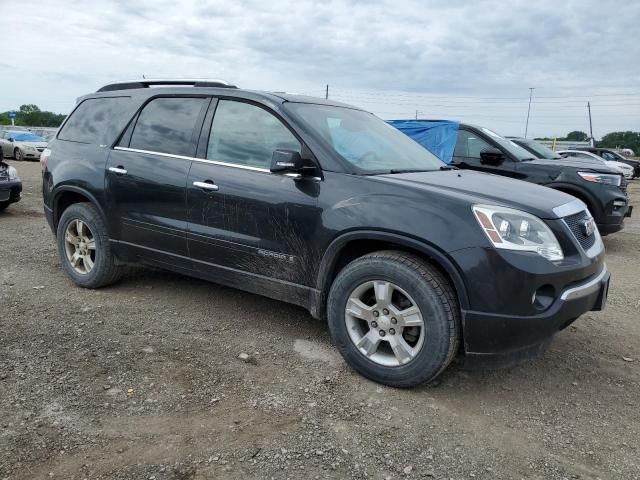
(97, 121)
(469, 145)
(247, 135)
(166, 125)
(608, 156)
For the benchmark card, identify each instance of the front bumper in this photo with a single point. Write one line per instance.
(29, 155)
(494, 340)
(10, 190)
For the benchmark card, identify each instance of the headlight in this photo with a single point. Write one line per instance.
(13, 173)
(608, 178)
(28, 147)
(512, 229)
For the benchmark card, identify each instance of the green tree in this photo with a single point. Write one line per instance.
(577, 136)
(4, 119)
(30, 108)
(622, 140)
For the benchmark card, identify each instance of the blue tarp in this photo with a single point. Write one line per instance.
(437, 136)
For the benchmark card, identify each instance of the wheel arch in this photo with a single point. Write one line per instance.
(68, 195)
(352, 245)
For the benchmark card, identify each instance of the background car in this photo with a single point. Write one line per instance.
(467, 146)
(609, 154)
(627, 170)
(21, 145)
(10, 185)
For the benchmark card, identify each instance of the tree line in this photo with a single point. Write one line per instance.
(31, 116)
(626, 139)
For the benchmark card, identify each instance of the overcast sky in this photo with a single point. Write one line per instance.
(472, 61)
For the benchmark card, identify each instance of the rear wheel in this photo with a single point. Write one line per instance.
(394, 318)
(84, 248)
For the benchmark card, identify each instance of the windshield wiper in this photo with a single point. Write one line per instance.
(448, 167)
(409, 170)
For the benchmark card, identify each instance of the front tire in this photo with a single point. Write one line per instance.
(17, 154)
(84, 248)
(394, 318)
(4, 205)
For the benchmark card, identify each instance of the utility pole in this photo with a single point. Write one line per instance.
(590, 124)
(526, 127)
(416, 114)
(326, 92)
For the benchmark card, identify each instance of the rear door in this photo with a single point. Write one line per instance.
(469, 145)
(146, 178)
(247, 226)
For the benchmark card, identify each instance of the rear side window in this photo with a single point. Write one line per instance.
(97, 121)
(166, 125)
(247, 135)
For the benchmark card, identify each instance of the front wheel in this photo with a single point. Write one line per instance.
(84, 248)
(394, 318)
(17, 154)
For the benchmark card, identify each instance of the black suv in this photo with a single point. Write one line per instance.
(325, 206)
(603, 190)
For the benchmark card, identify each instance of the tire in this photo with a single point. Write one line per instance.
(17, 154)
(4, 205)
(1, 155)
(103, 269)
(417, 282)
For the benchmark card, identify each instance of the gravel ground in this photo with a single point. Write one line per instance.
(142, 380)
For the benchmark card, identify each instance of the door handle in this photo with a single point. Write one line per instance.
(119, 170)
(208, 185)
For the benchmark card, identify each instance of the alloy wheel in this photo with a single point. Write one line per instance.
(80, 246)
(384, 323)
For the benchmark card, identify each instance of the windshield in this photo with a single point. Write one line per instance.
(365, 141)
(538, 149)
(26, 137)
(515, 150)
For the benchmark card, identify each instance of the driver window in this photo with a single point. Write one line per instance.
(245, 134)
(469, 145)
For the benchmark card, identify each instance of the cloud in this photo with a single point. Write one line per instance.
(370, 52)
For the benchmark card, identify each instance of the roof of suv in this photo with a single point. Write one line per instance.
(201, 86)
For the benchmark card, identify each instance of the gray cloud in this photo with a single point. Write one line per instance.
(370, 52)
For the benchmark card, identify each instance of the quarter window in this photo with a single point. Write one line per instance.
(166, 125)
(96, 121)
(245, 134)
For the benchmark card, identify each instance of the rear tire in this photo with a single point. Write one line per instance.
(373, 334)
(84, 248)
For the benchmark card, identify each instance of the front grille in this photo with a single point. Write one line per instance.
(575, 223)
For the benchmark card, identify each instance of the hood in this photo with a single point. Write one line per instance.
(32, 144)
(483, 188)
(572, 162)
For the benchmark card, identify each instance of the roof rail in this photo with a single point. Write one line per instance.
(153, 82)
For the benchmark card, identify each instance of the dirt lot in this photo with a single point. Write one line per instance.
(142, 380)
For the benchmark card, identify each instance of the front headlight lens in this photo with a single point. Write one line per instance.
(13, 173)
(609, 179)
(512, 229)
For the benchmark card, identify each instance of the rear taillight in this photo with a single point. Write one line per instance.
(44, 159)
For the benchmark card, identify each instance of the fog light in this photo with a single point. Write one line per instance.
(543, 297)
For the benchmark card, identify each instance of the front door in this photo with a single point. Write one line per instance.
(146, 179)
(247, 225)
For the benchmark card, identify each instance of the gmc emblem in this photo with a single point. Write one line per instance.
(588, 227)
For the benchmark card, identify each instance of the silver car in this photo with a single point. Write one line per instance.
(21, 145)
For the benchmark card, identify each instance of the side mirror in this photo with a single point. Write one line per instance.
(491, 156)
(11, 139)
(286, 161)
